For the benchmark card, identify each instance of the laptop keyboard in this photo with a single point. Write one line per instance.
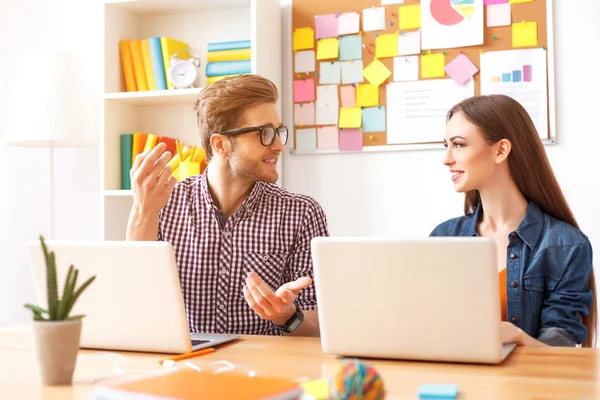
(197, 342)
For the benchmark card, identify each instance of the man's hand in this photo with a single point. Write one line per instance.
(273, 306)
(151, 181)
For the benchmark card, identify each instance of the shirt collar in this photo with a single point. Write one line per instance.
(529, 229)
(249, 203)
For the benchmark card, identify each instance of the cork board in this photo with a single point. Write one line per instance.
(495, 39)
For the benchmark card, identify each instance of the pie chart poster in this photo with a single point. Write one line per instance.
(447, 24)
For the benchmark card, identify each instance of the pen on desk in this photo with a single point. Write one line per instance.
(188, 355)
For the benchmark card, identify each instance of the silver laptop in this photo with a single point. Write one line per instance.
(135, 303)
(435, 299)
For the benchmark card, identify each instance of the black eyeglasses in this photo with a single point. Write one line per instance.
(267, 133)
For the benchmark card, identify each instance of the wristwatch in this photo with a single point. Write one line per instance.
(292, 324)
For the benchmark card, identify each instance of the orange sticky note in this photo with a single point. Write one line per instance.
(524, 34)
(521, 1)
(304, 38)
(327, 49)
(367, 95)
(386, 45)
(350, 117)
(432, 66)
(409, 17)
(376, 73)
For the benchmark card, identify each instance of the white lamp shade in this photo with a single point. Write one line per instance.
(48, 103)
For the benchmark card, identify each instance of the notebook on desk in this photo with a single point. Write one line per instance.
(190, 384)
(134, 304)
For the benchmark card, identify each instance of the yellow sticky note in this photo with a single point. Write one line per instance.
(376, 73)
(304, 38)
(386, 45)
(319, 389)
(521, 1)
(327, 48)
(350, 117)
(367, 95)
(524, 34)
(409, 17)
(432, 66)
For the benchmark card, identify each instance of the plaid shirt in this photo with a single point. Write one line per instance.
(270, 234)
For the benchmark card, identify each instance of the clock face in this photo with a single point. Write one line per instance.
(183, 74)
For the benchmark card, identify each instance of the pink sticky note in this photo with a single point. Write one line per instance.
(304, 114)
(326, 26)
(489, 2)
(351, 139)
(327, 137)
(461, 69)
(304, 90)
(348, 96)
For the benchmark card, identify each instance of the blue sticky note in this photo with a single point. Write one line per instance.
(438, 392)
(350, 47)
(373, 119)
(506, 77)
(329, 73)
(306, 139)
(352, 72)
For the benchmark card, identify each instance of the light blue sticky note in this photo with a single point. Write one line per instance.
(438, 392)
(306, 139)
(350, 47)
(373, 119)
(329, 72)
(352, 71)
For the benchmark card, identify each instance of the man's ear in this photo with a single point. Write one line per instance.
(503, 149)
(220, 145)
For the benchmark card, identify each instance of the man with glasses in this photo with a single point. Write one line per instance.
(242, 243)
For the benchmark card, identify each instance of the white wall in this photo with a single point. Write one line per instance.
(409, 193)
(24, 191)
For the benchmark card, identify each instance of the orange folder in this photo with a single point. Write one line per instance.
(194, 385)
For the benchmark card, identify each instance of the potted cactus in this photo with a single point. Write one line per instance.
(56, 334)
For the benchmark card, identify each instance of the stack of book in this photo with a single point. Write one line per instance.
(133, 144)
(145, 62)
(227, 59)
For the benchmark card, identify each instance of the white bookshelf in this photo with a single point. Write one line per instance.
(170, 112)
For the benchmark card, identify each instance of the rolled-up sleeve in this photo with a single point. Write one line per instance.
(570, 301)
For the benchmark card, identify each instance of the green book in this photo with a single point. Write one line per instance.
(126, 149)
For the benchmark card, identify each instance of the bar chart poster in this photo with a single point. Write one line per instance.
(520, 74)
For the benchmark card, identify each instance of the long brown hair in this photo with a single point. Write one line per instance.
(501, 117)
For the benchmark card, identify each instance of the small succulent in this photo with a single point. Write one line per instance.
(58, 309)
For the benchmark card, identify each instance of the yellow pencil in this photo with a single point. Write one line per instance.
(188, 355)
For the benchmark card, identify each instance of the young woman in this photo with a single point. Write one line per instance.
(544, 261)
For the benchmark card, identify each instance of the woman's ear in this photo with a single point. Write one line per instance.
(220, 145)
(503, 149)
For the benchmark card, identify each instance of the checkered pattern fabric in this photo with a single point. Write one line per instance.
(270, 234)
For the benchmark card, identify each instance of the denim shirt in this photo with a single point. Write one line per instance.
(548, 267)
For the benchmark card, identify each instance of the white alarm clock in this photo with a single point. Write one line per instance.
(183, 73)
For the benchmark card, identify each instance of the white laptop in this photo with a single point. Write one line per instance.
(135, 303)
(434, 299)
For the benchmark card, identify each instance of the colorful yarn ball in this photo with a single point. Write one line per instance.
(356, 380)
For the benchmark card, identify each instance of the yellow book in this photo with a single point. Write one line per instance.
(228, 55)
(127, 65)
(138, 65)
(213, 79)
(150, 142)
(139, 142)
(148, 64)
(170, 46)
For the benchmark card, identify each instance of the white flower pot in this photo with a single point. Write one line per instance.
(56, 344)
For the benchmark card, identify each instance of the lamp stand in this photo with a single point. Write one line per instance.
(51, 236)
